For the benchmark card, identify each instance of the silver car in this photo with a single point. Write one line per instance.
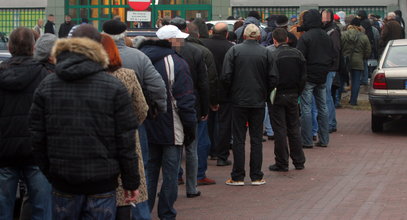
(388, 87)
(4, 55)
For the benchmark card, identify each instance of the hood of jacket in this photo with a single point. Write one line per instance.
(251, 20)
(329, 24)
(311, 19)
(156, 49)
(351, 35)
(18, 72)
(78, 58)
(362, 14)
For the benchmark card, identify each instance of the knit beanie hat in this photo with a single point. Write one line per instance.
(43, 46)
(114, 27)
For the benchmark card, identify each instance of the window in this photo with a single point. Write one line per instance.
(396, 57)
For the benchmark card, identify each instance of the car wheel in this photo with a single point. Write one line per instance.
(377, 123)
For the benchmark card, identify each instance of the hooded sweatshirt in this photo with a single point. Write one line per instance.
(247, 21)
(316, 47)
(83, 123)
(19, 77)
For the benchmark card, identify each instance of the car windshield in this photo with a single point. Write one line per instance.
(396, 57)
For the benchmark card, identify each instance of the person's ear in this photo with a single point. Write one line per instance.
(275, 42)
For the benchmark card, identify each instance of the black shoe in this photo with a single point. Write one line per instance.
(265, 133)
(320, 145)
(271, 138)
(193, 195)
(222, 163)
(314, 138)
(276, 168)
(299, 167)
(181, 181)
(332, 130)
(213, 157)
(264, 140)
(307, 147)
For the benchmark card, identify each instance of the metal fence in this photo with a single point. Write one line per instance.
(265, 11)
(379, 10)
(11, 18)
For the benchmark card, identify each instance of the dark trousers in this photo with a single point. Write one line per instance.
(213, 131)
(286, 123)
(222, 140)
(255, 117)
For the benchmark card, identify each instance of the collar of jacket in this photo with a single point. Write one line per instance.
(283, 45)
(120, 43)
(218, 37)
(193, 40)
(250, 41)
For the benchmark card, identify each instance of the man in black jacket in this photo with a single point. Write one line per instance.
(83, 128)
(19, 77)
(219, 46)
(249, 75)
(65, 27)
(199, 74)
(291, 67)
(50, 25)
(334, 34)
(316, 47)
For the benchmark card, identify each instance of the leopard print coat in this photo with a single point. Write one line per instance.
(129, 79)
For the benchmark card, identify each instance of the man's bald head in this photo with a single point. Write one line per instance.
(220, 28)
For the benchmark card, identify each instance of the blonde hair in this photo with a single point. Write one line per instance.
(251, 31)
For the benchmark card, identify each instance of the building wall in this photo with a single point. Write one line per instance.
(221, 9)
(57, 8)
(23, 3)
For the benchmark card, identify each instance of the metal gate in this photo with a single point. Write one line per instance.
(12, 18)
(265, 11)
(376, 10)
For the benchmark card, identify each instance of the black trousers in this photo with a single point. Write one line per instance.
(286, 123)
(255, 117)
(222, 140)
(213, 130)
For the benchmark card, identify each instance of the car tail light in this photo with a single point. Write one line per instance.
(380, 81)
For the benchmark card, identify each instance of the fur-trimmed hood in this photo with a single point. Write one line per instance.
(85, 46)
(77, 58)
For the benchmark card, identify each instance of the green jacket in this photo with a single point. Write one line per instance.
(356, 45)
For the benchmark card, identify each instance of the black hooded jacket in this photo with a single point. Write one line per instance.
(316, 46)
(19, 77)
(334, 33)
(83, 123)
(365, 23)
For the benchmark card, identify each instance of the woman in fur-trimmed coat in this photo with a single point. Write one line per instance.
(129, 79)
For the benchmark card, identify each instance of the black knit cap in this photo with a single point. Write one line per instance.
(114, 27)
(355, 22)
(281, 21)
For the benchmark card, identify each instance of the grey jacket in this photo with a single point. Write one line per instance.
(148, 76)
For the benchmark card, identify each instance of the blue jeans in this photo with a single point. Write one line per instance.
(329, 101)
(365, 73)
(314, 113)
(319, 91)
(191, 166)
(169, 159)
(68, 206)
(39, 191)
(267, 123)
(355, 82)
(204, 145)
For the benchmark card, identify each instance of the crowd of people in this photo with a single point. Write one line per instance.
(88, 120)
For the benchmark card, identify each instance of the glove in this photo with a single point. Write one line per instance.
(189, 135)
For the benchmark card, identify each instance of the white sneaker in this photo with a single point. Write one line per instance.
(258, 182)
(231, 182)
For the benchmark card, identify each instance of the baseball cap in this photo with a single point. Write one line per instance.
(170, 31)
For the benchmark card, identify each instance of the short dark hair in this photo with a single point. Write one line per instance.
(179, 22)
(280, 35)
(193, 30)
(254, 14)
(87, 30)
(21, 42)
(51, 15)
(68, 16)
